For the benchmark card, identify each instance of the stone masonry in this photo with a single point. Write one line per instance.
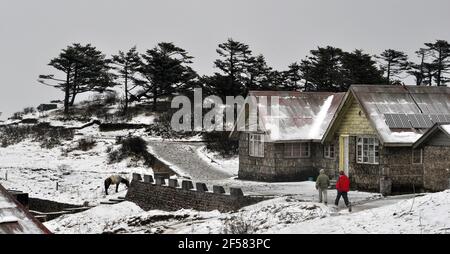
(151, 196)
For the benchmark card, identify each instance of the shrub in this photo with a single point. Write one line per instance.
(237, 225)
(110, 98)
(86, 144)
(48, 136)
(4, 143)
(17, 116)
(134, 145)
(221, 142)
(29, 110)
(130, 147)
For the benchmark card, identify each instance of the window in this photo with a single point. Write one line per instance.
(296, 150)
(417, 156)
(367, 150)
(256, 146)
(329, 151)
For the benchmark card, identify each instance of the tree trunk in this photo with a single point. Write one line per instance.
(155, 97)
(439, 69)
(74, 86)
(67, 94)
(125, 108)
(74, 94)
(231, 71)
(389, 73)
(419, 80)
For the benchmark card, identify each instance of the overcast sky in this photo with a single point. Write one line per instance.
(32, 32)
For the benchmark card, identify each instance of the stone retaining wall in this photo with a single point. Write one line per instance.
(169, 195)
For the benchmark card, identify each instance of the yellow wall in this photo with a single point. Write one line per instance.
(354, 122)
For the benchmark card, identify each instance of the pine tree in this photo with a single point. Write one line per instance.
(292, 77)
(258, 76)
(419, 70)
(166, 70)
(85, 69)
(233, 63)
(325, 69)
(359, 68)
(91, 72)
(394, 63)
(127, 65)
(440, 51)
(306, 70)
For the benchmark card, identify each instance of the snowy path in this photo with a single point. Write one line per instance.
(184, 156)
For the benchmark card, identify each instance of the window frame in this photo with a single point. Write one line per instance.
(413, 157)
(327, 151)
(365, 151)
(256, 146)
(301, 149)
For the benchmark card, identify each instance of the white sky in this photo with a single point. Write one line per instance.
(33, 32)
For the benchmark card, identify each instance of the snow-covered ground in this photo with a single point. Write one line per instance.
(426, 214)
(126, 217)
(228, 165)
(79, 175)
(429, 214)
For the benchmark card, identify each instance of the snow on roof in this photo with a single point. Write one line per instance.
(302, 115)
(378, 100)
(14, 219)
(446, 128)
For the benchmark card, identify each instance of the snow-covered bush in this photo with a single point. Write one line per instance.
(236, 224)
(220, 142)
(135, 147)
(86, 144)
(29, 110)
(48, 136)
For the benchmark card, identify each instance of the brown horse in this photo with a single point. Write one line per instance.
(117, 180)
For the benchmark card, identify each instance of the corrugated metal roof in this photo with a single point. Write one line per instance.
(303, 115)
(377, 101)
(15, 219)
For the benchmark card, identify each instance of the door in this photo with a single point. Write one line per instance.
(344, 153)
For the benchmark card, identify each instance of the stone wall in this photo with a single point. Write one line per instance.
(362, 176)
(149, 195)
(331, 165)
(395, 163)
(436, 168)
(274, 167)
(48, 206)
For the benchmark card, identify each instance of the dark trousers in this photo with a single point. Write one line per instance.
(338, 197)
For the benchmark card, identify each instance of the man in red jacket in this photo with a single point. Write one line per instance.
(343, 187)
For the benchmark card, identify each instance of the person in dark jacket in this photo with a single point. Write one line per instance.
(343, 187)
(322, 183)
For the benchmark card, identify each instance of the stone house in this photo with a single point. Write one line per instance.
(371, 132)
(435, 146)
(293, 151)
